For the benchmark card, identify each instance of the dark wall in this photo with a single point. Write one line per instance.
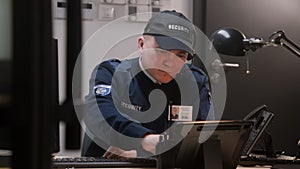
(275, 72)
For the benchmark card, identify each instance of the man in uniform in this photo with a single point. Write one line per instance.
(133, 98)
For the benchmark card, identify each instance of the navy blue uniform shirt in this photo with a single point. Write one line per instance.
(120, 92)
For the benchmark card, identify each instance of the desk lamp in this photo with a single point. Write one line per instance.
(230, 41)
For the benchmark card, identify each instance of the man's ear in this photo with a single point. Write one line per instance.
(141, 43)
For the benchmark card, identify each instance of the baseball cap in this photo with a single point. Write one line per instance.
(172, 31)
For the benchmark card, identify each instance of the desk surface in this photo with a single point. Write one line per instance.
(256, 167)
(277, 166)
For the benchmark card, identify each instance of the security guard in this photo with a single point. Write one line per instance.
(133, 98)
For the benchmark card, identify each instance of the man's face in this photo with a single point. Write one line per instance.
(174, 111)
(162, 65)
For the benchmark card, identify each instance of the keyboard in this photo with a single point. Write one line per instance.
(263, 160)
(92, 162)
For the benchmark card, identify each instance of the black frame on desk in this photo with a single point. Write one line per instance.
(209, 144)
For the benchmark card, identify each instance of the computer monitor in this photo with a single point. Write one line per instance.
(7, 113)
(29, 112)
(208, 144)
(5, 73)
(5, 105)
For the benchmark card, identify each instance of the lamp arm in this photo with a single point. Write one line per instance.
(279, 38)
(290, 45)
(296, 52)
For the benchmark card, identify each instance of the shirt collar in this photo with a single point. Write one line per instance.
(146, 73)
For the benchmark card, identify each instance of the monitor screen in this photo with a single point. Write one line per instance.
(208, 144)
(5, 73)
(5, 104)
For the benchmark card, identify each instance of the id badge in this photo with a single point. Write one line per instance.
(180, 113)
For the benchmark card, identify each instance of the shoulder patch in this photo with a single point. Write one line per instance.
(102, 90)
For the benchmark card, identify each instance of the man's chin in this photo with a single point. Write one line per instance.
(165, 80)
(164, 77)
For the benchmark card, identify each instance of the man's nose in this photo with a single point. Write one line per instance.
(168, 62)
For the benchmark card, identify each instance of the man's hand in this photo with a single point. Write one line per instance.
(115, 152)
(149, 142)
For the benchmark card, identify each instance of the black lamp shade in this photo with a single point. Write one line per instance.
(229, 41)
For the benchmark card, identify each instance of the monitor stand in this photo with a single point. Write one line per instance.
(209, 153)
(212, 157)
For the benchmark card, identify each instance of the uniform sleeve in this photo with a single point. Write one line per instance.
(103, 117)
(206, 107)
(206, 111)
